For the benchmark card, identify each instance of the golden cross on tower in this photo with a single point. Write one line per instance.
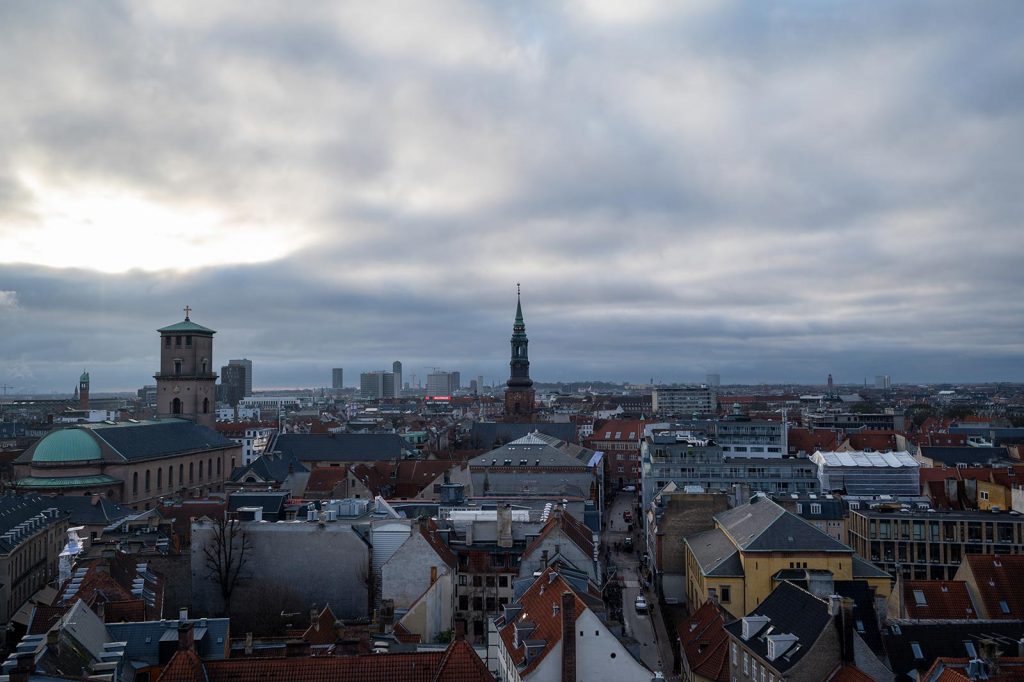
(187, 311)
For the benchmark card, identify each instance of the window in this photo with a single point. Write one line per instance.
(477, 581)
(799, 508)
(463, 603)
(860, 626)
(919, 598)
(135, 482)
(916, 648)
(971, 651)
(167, 342)
(1003, 606)
(206, 405)
(176, 406)
(734, 655)
(726, 592)
(746, 664)
(177, 340)
(983, 494)
(816, 509)
(188, 340)
(170, 478)
(502, 581)
(159, 479)
(218, 467)
(181, 474)
(490, 581)
(855, 505)
(462, 580)
(191, 471)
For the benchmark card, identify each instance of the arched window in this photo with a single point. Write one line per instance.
(209, 468)
(177, 366)
(135, 482)
(159, 479)
(181, 475)
(191, 471)
(218, 467)
(206, 403)
(170, 478)
(147, 480)
(204, 365)
(176, 406)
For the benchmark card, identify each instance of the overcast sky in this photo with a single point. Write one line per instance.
(766, 190)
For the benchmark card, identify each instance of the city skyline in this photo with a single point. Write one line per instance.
(769, 193)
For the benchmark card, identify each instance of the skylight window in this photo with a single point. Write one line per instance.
(1004, 606)
(919, 598)
(916, 648)
(971, 651)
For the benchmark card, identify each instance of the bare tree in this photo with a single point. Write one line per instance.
(227, 556)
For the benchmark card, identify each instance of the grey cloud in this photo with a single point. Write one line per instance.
(768, 191)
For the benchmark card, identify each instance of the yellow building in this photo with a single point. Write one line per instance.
(748, 552)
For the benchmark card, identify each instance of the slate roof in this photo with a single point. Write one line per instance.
(715, 553)
(127, 441)
(764, 526)
(937, 600)
(529, 451)
(270, 468)
(92, 510)
(862, 568)
(454, 664)
(339, 447)
(16, 510)
(997, 579)
(143, 638)
(575, 531)
(942, 639)
(790, 610)
(272, 503)
(494, 434)
(705, 642)
(967, 455)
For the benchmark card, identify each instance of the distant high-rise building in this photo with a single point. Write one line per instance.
(683, 401)
(474, 388)
(831, 386)
(248, 373)
(396, 369)
(377, 385)
(714, 380)
(232, 383)
(442, 383)
(883, 381)
(337, 378)
(480, 383)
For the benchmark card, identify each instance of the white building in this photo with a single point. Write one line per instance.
(684, 400)
(550, 635)
(868, 473)
(271, 403)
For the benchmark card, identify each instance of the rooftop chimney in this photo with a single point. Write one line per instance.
(568, 637)
(505, 526)
(842, 613)
(186, 638)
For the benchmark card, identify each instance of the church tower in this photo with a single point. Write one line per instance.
(519, 395)
(83, 391)
(186, 384)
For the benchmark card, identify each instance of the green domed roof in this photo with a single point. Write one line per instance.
(67, 445)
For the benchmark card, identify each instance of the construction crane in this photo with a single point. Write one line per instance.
(5, 387)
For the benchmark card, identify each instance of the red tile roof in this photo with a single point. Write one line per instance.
(809, 440)
(620, 430)
(432, 537)
(945, 599)
(997, 578)
(538, 604)
(705, 642)
(404, 479)
(850, 673)
(455, 664)
(1011, 669)
(873, 440)
(323, 480)
(579, 534)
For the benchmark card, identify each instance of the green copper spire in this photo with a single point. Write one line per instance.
(519, 309)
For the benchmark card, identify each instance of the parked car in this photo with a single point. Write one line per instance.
(629, 488)
(627, 516)
(641, 604)
(627, 544)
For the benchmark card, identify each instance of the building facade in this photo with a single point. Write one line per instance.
(232, 384)
(247, 364)
(32, 534)
(684, 401)
(338, 378)
(922, 544)
(868, 473)
(377, 385)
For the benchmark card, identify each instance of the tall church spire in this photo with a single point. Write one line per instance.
(519, 395)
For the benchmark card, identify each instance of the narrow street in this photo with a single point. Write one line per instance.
(639, 628)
